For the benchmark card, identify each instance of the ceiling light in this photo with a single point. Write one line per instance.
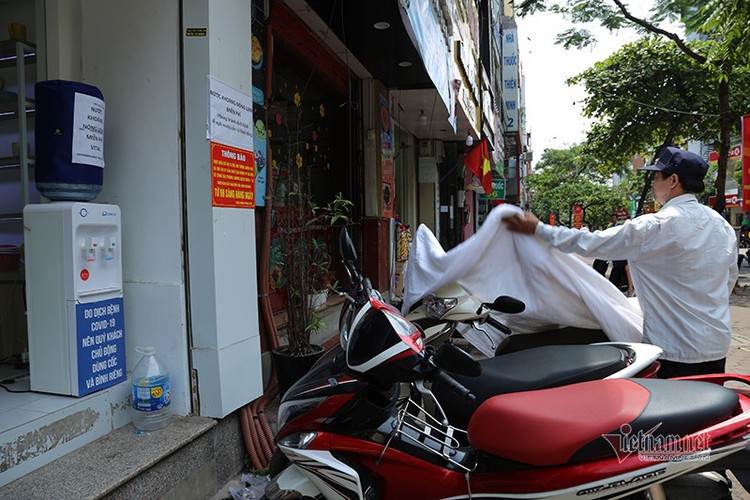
(423, 118)
(381, 25)
(469, 140)
(405, 64)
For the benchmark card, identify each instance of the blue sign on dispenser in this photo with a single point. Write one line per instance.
(100, 337)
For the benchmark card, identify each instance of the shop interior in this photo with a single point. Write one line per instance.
(18, 74)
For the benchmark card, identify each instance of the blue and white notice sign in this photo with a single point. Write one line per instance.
(100, 335)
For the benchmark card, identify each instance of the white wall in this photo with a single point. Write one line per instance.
(221, 241)
(129, 49)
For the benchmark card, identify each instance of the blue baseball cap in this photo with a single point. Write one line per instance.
(678, 161)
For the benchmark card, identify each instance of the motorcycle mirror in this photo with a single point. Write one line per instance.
(346, 246)
(349, 256)
(508, 304)
(455, 360)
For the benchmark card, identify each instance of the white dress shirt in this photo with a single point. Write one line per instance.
(683, 263)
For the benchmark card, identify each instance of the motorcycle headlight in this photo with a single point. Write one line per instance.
(299, 440)
(437, 307)
(290, 410)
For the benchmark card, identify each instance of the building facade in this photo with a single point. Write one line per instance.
(379, 98)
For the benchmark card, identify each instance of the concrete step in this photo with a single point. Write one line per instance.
(37, 428)
(189, 459)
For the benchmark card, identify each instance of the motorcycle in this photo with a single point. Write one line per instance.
(440, 315)
(523, 362)
(744, 238)
(347, 430)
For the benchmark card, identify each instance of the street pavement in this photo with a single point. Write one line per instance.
(738, 358)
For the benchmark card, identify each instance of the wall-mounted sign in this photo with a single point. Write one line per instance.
(232, 177)
(510, 78)
(100, 340)
(386, 147)
(230, 115)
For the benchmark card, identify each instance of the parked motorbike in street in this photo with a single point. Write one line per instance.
(529, 361)
(444, 314)
(744, 237)
(348, 430)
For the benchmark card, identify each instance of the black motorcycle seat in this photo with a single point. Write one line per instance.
(529, 370)
(598, 419)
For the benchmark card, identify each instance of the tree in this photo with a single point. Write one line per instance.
(648, 94)
(724, 20)
(565, 177)
(645, 94)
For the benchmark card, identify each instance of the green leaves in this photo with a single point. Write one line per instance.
(564, 177)
(643, 93)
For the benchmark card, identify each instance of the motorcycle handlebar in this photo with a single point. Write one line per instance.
(499, 326)
(454, 385)
(367, 284)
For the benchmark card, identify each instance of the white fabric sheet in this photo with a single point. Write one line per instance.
(558, 289)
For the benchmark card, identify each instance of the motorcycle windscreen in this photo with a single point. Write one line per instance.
(384, 344)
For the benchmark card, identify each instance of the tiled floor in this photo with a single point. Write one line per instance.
(18, 408)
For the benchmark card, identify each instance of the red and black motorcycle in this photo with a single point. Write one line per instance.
(348, 429)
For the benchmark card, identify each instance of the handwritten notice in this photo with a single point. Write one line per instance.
(230, 115)
(88, 130)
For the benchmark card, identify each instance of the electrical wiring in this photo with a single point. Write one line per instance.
(660, 108)
(9, 390)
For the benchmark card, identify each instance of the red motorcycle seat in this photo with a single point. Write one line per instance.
(572, 423)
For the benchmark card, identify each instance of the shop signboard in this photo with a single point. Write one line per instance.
(577, 216)
(498, 190)
(510, 78)
(386, 149)
(427, 35)
(745, 163)
(231, 132)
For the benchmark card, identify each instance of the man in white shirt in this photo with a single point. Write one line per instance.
(683, 262)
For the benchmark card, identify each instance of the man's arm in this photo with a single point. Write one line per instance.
(618, 243)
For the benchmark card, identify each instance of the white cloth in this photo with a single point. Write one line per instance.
(683, 262)
(558, 289)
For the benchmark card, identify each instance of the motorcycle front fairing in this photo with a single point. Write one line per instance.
(384, 345)
(327, 390)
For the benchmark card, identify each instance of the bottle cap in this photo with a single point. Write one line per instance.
(148, 351)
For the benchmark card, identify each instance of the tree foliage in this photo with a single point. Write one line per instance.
(723, 22)
(642, 96)
(565, 177)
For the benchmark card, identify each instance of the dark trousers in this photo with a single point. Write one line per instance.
(671, 369)
(618, 276)
(600, 266)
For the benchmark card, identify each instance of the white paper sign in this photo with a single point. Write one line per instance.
(88, 130)
(230, 115)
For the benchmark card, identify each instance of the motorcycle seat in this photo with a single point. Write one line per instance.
(597, 419)
(529, 370)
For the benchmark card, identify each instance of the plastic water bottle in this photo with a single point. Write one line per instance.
(151, 392)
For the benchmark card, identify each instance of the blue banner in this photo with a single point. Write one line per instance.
(100, 337)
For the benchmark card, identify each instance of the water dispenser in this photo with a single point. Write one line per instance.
(74, 297)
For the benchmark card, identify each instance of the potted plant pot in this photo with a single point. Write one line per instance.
(292, 367)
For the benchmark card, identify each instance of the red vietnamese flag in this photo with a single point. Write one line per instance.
(478, 161)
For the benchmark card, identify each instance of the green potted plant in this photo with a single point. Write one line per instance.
(309, 276)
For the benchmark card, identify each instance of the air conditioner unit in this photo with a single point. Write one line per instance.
(426, 148)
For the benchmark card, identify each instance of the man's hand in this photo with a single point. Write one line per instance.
(525, 223)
